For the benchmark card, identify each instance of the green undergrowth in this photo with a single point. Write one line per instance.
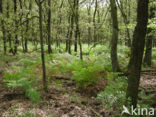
(85, 73)
(114, 95)
(58, 85)
(21, 74)
(25, 70)
(154, 55)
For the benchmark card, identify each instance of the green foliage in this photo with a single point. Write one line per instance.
(86, 73)
(33, 95)
(123, 56)
(114, 95)
(58, 85)
(154, 55)
(75, 97)
(146, 100)
(64, 62)
(23, 77)
(28, 114)
(16, 81)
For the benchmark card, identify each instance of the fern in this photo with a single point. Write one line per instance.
(85, 74)
(18, 80)
(33, 95)
(114, 95)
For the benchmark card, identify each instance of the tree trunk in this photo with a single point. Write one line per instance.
(3, 28)
(137, 51)
(8, 32)
(94, 23)
(126, 22)
(148, 53)
(77, 32)
(16, 37)
(71, 33)
(89, 22)
(76, 4)
(114, 40)
(42, 47)
(67, 40)
(49, 27)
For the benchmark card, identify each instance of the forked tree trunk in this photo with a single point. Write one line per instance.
(137, 51)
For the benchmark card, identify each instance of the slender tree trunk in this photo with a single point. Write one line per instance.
(8, 32)
(42, 47)
(71, 33)
(77, 32)
(3, 28)
(114, 40)
(16, 37)
(126, 22)
(49, 27)
(22, 36)
(149, 39)
(67, 40)
(27, 27)
(89, 28)
(94, 22)
(26, 38)
(137, 51)
(4, 37)
(76, 4)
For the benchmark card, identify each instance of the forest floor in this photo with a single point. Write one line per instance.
(61, 101)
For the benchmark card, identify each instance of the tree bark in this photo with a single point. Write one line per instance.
(126, 22)
(42, 47)
(16, 37)
(71, 31)
(8, 32)
(49, 27)
(94, 22)
(3, 28)
(149, 39)
(137, 51)
(114, 40)
(89, 22)
(76, 2)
